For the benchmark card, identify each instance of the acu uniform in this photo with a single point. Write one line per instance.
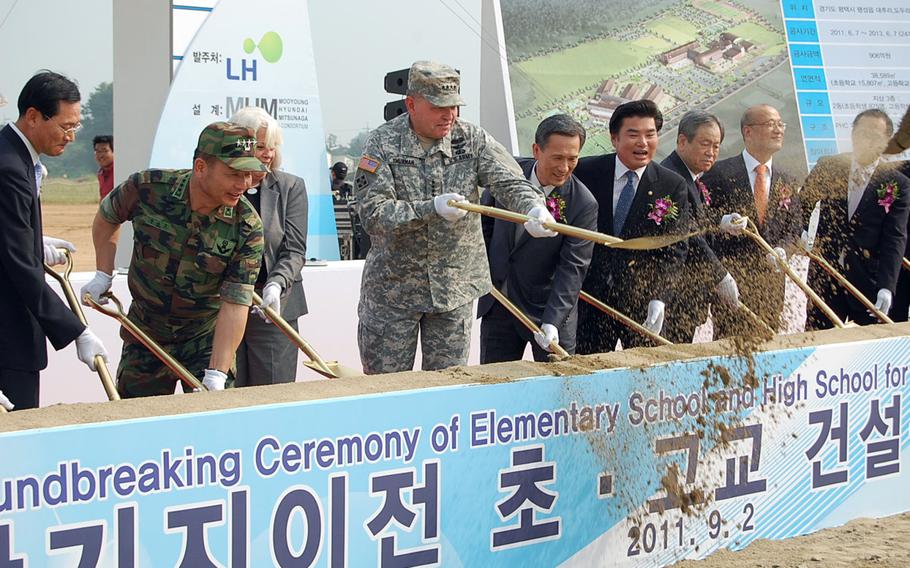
(423, 270)
(184, 264)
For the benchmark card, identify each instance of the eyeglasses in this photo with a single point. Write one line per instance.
(68, 132)
(771, 124)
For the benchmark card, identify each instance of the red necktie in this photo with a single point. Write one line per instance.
(761, 198)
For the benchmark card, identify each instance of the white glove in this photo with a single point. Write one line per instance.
(733, 223)
(271, 298)
(97, 286)
(805, 242)
(446, 211)
(214, 380)
(728, 291)
(655, 321)
(883, 303)
(5, 402)
(87, 346)
(772, 259)
(52, 256)
(549, 335)
(539, 215)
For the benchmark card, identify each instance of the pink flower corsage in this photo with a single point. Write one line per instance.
(785, 198)
(663, 208)
(705, 194)
(556, 205)
(887, 194)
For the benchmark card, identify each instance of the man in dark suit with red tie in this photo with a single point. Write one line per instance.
(862, 223)
(49, 114)
(749, 185)
(704, 279)
(636, 198)
(541, 276)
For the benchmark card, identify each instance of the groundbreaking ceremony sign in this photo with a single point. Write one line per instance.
(627, 467)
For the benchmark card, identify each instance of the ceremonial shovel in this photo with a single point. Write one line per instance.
(640, 243)
(100, 366)
(752, 232)
(558, 353)
(905, 263)
(144, 339)
(329, 369)
(850, 287)
(623, 319)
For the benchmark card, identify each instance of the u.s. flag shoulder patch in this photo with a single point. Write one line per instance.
(369, 164)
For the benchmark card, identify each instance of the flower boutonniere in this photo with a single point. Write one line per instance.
(705, 194)
(887, 194)
(786, 196)
(663, 208)
(556, 205)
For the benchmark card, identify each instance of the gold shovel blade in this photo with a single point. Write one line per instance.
(651, 243)
(336, 369)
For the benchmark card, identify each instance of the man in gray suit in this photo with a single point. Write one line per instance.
(541, 276)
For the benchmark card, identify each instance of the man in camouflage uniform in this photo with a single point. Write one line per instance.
(196, 251)
(428, 262)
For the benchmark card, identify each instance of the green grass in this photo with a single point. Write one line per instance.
(558, 74)
(719, 9)
(758, 34)
(70, 192)
(678, 30)
(653, 43)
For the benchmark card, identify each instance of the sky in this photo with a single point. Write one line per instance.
(73, 37)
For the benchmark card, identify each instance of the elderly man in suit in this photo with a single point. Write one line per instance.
(748, 185)
(541, 276)
(636, 198)
(49, 113)
(862, 224)
(704, 278)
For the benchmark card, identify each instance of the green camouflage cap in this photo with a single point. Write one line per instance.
(436, 82)
(231, 144)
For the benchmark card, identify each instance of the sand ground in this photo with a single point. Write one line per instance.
(72, 222)
(862, 543)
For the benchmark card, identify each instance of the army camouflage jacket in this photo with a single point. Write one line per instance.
(184, 263)
(418, 260)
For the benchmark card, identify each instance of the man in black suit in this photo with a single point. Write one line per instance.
(636, 198)
(748, 185)
(541, 276)
(704, 277)
(862, 223)
(899, 144)
(49, 114)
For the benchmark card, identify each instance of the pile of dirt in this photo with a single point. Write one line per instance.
(861, 543)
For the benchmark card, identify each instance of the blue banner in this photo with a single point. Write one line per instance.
(629, 467)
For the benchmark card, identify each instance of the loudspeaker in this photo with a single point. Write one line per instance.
(396, 82)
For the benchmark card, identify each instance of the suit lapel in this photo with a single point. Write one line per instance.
(870, 194)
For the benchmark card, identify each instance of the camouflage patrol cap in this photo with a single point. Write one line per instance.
(231, 144)
(436, 82)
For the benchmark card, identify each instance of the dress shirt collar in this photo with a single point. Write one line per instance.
(621, 170)
(865, 171)
(546, 189)
(751, 163)
(31, 149)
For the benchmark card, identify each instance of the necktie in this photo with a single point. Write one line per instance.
(761, 197)
(39, 175)
(624, 203)
(856, 192)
